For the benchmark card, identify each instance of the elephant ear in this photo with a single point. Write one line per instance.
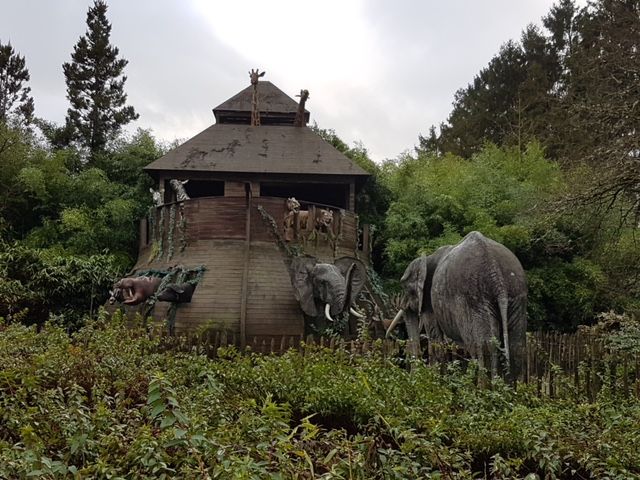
(302, 283)
(358, 276)
(413, 282)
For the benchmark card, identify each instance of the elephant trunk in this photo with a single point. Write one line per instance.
(327, 314)
(395, 321)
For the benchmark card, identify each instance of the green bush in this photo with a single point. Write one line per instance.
(578, 263)
(38, 283)
(107, 402)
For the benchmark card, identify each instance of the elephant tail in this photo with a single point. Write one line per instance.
(503, 305)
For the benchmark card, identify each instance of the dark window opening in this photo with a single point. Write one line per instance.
(334, 195)
(169, 195)
(204, 188)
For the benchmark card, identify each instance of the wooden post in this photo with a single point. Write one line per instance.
(352, 197)
(144, 232)
(245, 271)
(577, 341)
(366, 241)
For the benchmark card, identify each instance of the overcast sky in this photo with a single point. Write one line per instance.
(380, 72)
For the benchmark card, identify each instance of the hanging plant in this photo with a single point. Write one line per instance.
(161, 234)
(183, 228)
(170, 230)
(282, 245)
(338, 238)
(173, 275)
(152, 223)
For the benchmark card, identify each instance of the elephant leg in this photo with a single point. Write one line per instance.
(483, 332)
(493, 342)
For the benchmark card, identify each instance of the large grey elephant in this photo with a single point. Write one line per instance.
(327, 289)
(474, 293)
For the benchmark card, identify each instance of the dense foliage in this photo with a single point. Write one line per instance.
(67, 230)
(573, 86)
(108, 403)
(574, 265)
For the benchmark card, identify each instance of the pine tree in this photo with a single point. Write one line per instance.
(15, 102)
(95, 85)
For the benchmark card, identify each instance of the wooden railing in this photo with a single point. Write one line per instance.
(221, 217)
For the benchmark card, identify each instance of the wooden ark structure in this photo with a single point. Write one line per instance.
(236, 229)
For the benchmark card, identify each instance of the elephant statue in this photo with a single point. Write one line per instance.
(134, 290)
(327, 289)
(473, 293)
(177, 293)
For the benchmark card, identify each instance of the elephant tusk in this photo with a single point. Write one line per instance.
(395, 321)
(355, 313)
(326, 312)
(130, 293)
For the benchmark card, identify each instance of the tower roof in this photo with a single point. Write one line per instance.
(276, 107)
(233, 145)
(267, 149)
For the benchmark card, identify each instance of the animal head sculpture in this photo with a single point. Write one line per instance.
(416, 283)
(178, 187)
(134, 290)
(327, 289)
(254, 75)
(157, 197)
(293, 205)
(177, 293)
(324, 219)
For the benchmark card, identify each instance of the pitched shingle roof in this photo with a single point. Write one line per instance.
(272, 103)
(263, 149)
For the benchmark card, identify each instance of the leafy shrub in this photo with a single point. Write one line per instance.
(108, 402)
(37, 283)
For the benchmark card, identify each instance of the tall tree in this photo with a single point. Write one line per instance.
(15, 101)
(603, 99)
(95, 85)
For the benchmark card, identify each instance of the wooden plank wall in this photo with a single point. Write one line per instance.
(271, 307)
(222, 218)
(215, 233)
(216, 300)
(237, 189)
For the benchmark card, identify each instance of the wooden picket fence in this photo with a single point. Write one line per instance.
(569, 364)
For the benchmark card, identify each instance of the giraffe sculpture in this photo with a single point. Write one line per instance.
(299, 121)
(254, 75)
